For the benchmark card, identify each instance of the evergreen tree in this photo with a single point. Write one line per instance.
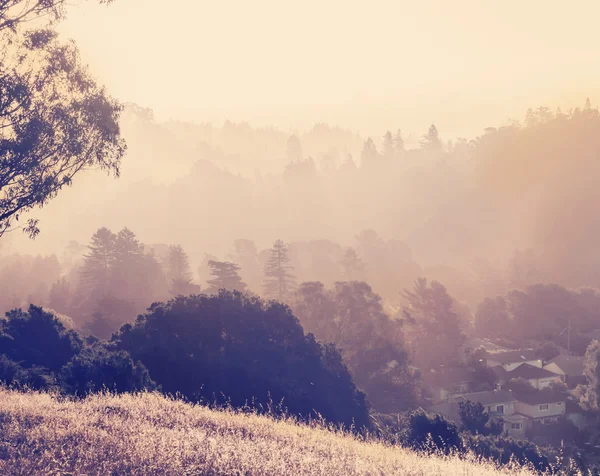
(431, 141)
(279, 283)
(179, 272)
(437, 334)
(59, 297)
(225, 277)
(353, 267)
(388, 145)
(369, 154)
(99, 262)
(128, 264)
(399, 144)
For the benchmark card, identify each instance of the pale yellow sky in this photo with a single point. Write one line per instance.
(463, 64)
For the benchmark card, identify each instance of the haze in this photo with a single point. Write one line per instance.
(366, 66)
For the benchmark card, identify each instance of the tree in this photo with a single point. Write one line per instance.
(399, 144)
(437, 336)
(239, 349)
(179, 272)
(431, 141)
(37, 338)
(475, 420)
(590, 397)
(97, 268)
(294, 149)
(15, 12)
(225, 277)
(97, 367)
(55, 121)
(430, 432)
(491, 318)
(388, 146)
(59, 297)
(353, 267)
(369, 155)
(352, 317)
(278, 281)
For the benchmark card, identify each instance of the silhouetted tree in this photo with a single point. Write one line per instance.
(225, 276)
(399, 144)
(590, 393)
(437, 335)
(98, 368)
(475, 420)
(294, 149)
(352, 317)
(387, 150)
(56, 121)
(96, 273)
(37, 338)
(240, 349)
(430, 432)
(180, 273)
(59, 297)
(278, 281)
(431, 141)
(491, 318)
(369, 155)
(353, 267)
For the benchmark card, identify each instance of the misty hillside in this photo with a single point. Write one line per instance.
(153, 435)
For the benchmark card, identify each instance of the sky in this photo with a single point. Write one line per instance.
(367, 66)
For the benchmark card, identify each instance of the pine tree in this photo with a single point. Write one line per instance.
(353, 267)
(399, 144)
(179, 272)
(431, 141)
(279, 283)
(225, 277)
(388, 145)
(99, 262)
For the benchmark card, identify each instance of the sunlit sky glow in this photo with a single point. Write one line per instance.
(369, 66)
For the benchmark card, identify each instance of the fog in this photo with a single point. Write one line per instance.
(385, 131)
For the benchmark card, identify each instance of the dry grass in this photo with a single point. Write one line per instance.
(154, 435)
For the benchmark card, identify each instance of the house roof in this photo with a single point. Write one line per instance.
(571, 365)
(487, 398)
(536, 397)
(513, 356)
(529, 372)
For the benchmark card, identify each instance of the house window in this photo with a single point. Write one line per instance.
(544, 407)
(500, 409)
(515, 426)
(559, 403)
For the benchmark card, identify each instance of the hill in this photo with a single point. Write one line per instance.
(149, 434)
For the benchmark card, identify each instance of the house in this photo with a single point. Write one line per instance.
(537, 377)
(569, 367)
(446, 381)
(510, 360)
(540, 406)
(498, 403)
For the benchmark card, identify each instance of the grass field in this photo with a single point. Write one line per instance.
(149, 434)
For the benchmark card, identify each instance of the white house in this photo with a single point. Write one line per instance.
(512, 359)
(537, 377)
(569, 367)
(501, 404)
(543, 407)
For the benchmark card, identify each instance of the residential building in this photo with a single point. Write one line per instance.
(510, 360)
(498, 403)
(540, 406)
(569, 367)
(537, 377)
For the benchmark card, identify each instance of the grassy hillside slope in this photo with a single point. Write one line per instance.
(152, 435)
